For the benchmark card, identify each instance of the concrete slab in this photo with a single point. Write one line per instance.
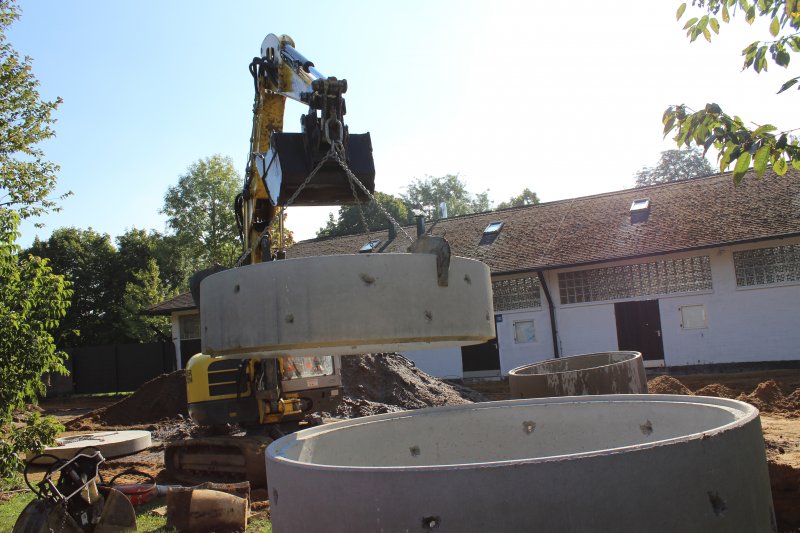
(343, 305)
(110, 443)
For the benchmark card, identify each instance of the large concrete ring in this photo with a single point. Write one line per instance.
(343, 305)
(578, 375)
(622, 463)
(110, 443)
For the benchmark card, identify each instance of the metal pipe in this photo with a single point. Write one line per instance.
(551, 308)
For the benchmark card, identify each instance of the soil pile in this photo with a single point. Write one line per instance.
(161, 397)
(667, 385)
(386, 383)
(769, 398)
(716, 390)
(373, 384)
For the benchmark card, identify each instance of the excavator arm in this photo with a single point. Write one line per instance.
(279, 164)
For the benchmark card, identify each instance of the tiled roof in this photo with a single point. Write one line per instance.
(697, 213)
(181, 302)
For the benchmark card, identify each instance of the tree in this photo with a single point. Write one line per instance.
(89, 261)
(32, 302)
(33, 299)
(526, 197)
(145, 290)
(136, 247)
(200, 213)
(736, 143)
(426, 195)
(349, 220)
(675, 165)
(27, 179)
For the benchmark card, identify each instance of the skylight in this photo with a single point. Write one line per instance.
(493, 227)
(641, 204)
(370, 246)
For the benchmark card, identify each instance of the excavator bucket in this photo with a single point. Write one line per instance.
(287, 165)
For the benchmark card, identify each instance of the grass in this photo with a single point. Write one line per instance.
(145, 521)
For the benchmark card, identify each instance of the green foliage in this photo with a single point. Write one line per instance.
(27, 179)
(526, 197)
(350, 222)
(200, 213)
(32, 302)
(89, 260)
(144, 291)
(427, 194)
(675, 165)
(736, 143)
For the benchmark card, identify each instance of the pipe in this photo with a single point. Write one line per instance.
(551, 308)
(420, 225)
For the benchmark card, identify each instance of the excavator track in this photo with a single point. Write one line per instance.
(221, 459)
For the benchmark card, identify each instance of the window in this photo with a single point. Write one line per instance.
(370, 246)
(190, 326)
(765, 266)
(693, 317)
(524, 331)
(516, 293)
(493, 227)
(641, 204)
(688, 274)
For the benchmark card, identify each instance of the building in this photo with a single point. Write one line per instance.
(694, 272)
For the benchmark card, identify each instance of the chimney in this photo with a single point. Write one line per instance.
(420, 225)
(392, 230)
(443, 210)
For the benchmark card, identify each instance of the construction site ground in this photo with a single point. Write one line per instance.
(377, 384)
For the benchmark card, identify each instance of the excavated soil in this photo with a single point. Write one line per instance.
(161, 397)
(666, 385)
(373, 383)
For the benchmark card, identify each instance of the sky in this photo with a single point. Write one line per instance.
(562, 98)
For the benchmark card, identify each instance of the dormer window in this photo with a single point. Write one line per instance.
(642, 204)
(492, 228)
(370, 246)
(640, 210)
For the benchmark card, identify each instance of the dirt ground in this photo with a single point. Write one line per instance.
(389, 382)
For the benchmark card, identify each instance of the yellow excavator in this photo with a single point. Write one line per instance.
(269, 397)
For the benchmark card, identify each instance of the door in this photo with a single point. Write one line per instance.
(481, 360)
(639, 329)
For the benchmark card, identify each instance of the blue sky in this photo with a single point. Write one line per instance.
(562, 98)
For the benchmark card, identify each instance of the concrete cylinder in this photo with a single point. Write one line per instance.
(578, 375)
(622, 463)
(345, 304)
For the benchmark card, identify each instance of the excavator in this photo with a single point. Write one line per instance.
(270, 396)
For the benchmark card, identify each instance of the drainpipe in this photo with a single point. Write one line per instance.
(392, 230)
(552, 309)
(420, 225)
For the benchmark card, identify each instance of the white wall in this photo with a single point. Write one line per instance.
(744, 324)
(513, 354)
(442, 363)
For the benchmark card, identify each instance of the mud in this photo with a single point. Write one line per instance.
(716, 390)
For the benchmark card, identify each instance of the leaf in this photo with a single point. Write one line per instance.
(796, 164)
(690, 23)
(681, 9)
(782, 58)
(725, 15)
(742, 165)
(780, 167)
(707, 34)
(791, 8)
(750, 15)
(760, 160)
(774, 26)
(782, 140)
(764, 129)
(714, 25)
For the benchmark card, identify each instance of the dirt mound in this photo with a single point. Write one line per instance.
(385, 383)
(769, 398)
(161, 397)
(716, 390)
(667, 385)
(374, 383)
